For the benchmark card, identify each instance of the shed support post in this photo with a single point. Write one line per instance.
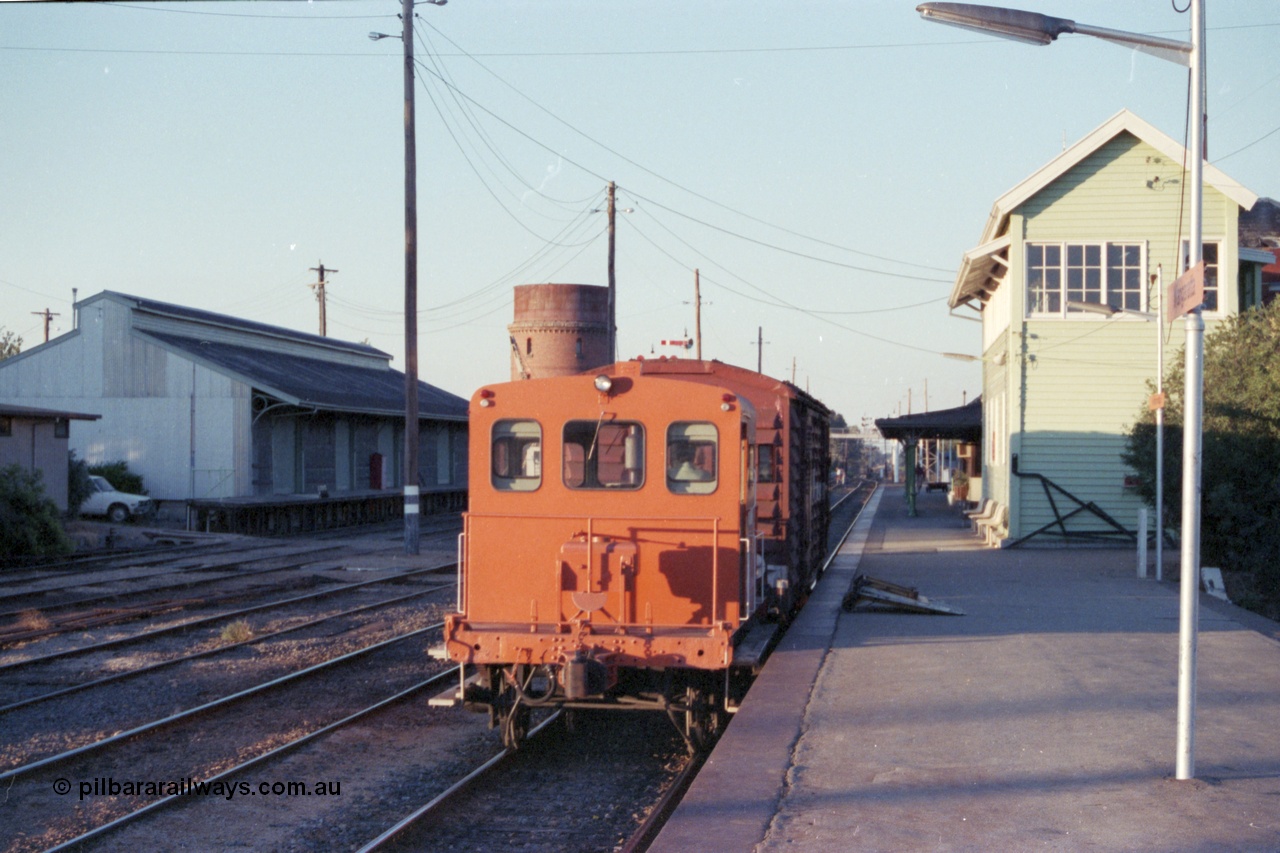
(909, 459)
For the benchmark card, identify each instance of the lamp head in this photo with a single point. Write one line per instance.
(1026, 27)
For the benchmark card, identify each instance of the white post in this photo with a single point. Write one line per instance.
(1159, 312)
(1192, 420)
(1142, 542)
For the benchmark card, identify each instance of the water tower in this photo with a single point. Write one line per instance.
(559, 330)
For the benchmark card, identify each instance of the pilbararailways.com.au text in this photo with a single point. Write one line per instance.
(107, 786)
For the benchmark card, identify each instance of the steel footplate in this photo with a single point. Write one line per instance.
(878, 594)
(755, 647)
(453, 696)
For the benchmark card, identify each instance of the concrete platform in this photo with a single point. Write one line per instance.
(1044, 718)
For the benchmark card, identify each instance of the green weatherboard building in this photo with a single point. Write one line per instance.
(1062, 386)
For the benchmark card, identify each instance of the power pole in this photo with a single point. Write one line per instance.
(411, 504)
(47, 317)
(760, 342)
(697, 311)
(611, 212)
(318, 287)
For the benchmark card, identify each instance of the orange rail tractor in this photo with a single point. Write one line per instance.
(611, 556)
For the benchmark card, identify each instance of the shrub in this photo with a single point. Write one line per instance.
(118, 474)
(29, 523)
(78, 485)
(1240, 473)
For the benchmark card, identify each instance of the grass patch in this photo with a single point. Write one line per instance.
(237, 632)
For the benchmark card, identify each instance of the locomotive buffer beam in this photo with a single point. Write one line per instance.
(882, 595)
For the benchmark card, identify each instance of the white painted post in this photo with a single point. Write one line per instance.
(1142, 542)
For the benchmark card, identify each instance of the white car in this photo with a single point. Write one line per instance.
(118, 507)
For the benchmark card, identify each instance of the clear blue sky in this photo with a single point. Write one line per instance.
(824, 164)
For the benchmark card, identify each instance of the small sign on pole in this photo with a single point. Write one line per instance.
(1186, 293)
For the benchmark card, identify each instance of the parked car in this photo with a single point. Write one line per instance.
(118, 507)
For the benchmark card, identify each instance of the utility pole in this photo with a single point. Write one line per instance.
(760, 342)
(411, 505)
(611, 212)
(47, 317)
(697, 312)
(318, 287)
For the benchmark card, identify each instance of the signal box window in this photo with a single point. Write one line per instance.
(599, 455)
(691, 458)
(516, 456)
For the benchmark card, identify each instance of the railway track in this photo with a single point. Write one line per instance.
(562, 790)
(575, 780)
(245, 724)
(208, 647)
(361, 721)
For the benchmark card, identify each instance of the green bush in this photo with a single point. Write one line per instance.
(1240, 466)
(118, 474)
(78, 485)
(29, 523)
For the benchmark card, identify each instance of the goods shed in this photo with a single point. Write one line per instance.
(214, 409)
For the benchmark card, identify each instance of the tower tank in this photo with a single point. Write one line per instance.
(559, 330)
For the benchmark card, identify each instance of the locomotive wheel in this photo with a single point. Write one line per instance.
(702, 719)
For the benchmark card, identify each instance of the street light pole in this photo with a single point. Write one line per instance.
(1035, 28)
(1192, 430)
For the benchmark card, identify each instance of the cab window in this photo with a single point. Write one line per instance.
(692, 458)
(516, 456)
(603, 455)
(768, 463)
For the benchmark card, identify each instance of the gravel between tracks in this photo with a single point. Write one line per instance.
(380, 765)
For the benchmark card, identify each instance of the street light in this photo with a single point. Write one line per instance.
(1034, 28)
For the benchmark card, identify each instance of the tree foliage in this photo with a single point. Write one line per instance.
(1240, 467)
(118, 475)
(10, 344)
(29, 523)
(78, 486)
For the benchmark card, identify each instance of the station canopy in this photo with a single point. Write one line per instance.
(963, 423)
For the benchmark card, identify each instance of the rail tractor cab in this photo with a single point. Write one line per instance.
(608, 558)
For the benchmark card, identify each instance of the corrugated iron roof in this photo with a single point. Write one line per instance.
(10, 411)
(315, 382)
(197, 315)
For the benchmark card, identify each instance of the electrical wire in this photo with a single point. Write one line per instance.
(648, 171)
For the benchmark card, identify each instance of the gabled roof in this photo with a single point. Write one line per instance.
(225, 321)
(314, 382)
(975, 271)
(296, 368)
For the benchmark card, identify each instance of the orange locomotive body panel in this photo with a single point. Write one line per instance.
(793, 433)
(611, 527)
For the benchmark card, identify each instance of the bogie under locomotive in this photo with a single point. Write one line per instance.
(611, 556)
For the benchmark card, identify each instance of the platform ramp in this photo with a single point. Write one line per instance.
(874, 594)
